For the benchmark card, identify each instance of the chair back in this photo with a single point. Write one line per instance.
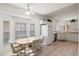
(35, 45)
(16, 47)
(42, 38)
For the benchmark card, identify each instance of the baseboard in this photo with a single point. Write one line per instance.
(72, 41)
(68, 40)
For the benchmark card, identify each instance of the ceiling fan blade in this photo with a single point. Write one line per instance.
(27, 7)
(29, 11)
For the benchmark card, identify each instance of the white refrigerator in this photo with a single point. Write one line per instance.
(46, 31)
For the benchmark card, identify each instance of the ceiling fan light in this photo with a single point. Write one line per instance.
(28, 13)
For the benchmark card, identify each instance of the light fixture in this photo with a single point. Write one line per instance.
(28, 11)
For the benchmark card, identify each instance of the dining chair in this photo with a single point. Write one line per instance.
(41, 40)
(35, 47)
(17, 48)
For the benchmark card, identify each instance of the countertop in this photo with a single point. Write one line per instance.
(68, 32)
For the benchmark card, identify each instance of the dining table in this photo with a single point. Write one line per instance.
(26, 41)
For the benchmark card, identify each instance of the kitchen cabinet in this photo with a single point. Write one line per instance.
(71, 36)
(60, 36)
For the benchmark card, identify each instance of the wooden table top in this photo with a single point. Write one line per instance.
(27, 40)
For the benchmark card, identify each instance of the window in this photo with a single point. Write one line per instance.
(6, 32)
(20, 30)
(32, 30)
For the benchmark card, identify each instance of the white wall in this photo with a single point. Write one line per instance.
(14, 14)
(66, 14)
(28, 22)
(2, 18)
(13, 20)
(78, 28)
(1, 35)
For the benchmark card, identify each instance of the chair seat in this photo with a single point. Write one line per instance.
(32, 54)
(17, 48)
(29, 51)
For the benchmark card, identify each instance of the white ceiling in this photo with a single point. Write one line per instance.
(43, 8)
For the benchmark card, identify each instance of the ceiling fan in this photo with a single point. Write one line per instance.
(29, 11)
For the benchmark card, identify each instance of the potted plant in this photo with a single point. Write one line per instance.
(49, 20)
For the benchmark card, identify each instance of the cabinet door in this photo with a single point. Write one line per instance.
(60, 36)
(73, 27)
(74, 37)
(71, 37)
(68, 36)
